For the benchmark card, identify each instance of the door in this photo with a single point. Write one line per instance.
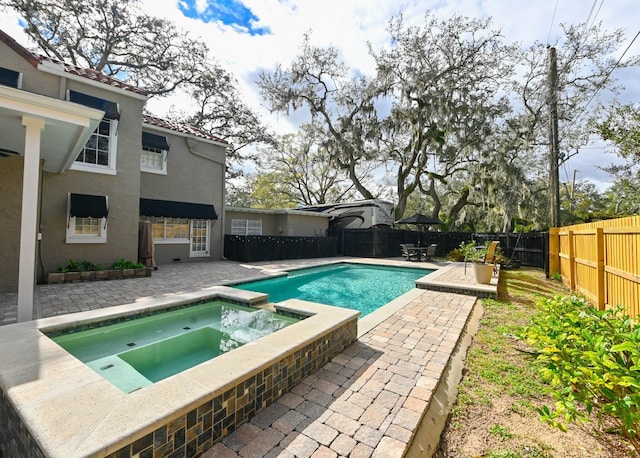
(199, 238)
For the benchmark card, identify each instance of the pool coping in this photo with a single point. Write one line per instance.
(72, 411)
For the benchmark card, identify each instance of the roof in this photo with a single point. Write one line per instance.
(182, 128)
(284, 211)
(94, 75)
(45, 62)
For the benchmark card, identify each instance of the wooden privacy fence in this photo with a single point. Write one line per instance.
(600, 260)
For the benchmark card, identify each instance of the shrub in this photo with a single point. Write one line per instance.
(590, 358)
(79, 266)
(122, 264)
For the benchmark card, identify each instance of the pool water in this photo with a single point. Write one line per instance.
(141, 351)
(362, 287)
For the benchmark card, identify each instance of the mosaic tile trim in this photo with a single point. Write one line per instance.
(16, 440)
(463, 291)
(121, 319)
(192, 433)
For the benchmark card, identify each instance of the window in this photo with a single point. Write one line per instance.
(153, 158)
(10, 78)
(100, 149)
(246, 227)
(99, 153)
(169, 230)
(86, 219)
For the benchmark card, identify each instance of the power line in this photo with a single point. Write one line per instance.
(553, 18)
(604, 80)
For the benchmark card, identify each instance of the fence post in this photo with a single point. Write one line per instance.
(572, 266)
(600, 267)
(554, 250)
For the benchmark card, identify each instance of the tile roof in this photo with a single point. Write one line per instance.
(182, 128)
(95, 75)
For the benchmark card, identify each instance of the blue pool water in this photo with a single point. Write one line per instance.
(357, 286)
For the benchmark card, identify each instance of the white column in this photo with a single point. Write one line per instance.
(28, 227)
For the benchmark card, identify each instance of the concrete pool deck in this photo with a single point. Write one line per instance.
(374, 399)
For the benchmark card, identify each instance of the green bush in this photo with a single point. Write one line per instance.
(591, 360)
(79, 266)
(122, 264)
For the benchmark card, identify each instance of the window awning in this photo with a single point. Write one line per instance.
(9, 78)
(155, 141)
(110, 108)
(87, 206)
(171, 209)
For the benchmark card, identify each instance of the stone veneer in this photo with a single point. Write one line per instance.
(189, 430)
(193, 432)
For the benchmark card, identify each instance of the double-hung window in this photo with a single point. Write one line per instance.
(153, 158)
(169, 230)
(99, 153)
(86, 218)
(246, 227)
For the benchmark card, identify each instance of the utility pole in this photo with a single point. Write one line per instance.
(554, 176)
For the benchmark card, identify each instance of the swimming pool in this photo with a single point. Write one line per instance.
(363, 287)
(141, 351)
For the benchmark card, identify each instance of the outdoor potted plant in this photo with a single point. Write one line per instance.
(476, 254)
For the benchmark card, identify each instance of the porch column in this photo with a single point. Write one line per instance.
(28, 226)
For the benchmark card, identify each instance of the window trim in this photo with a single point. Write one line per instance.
(147, 169)
(113, 153)
(246, 226)
(72, 237)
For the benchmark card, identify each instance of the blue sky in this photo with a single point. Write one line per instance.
(247, 36)
(229, 12)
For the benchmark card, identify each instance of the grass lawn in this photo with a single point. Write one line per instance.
(495, 413)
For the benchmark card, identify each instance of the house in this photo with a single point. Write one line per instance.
(285, 222)
(81, 166)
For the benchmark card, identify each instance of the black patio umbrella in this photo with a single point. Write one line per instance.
(419, 219)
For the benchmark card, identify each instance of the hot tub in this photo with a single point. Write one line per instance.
(52, 404)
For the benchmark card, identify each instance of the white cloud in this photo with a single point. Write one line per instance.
(350, 24)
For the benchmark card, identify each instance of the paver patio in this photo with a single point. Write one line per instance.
(368, 401)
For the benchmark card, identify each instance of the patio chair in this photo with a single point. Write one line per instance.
(492, 255)
(431, 252)
(409, 252)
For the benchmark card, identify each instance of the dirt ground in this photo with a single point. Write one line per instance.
(489, 419)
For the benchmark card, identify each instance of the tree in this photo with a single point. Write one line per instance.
(444, 79)
(621, 127)
(586, 58)
(114, 37)
(117, 38)
(343, 105)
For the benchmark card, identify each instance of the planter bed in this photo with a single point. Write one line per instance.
(97, 275)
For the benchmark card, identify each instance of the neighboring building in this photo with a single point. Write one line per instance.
(81, 166)
(289, 222)
(359, 214)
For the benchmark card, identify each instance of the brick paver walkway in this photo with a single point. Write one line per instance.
(368, 401)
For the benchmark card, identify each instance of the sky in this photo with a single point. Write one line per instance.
(250, 36)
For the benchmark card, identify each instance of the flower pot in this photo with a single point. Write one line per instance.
(482, 272)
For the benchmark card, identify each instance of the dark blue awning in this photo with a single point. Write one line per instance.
(171, 209)
(87, 206)
(9, 77)
(110, 108)
(154, 141)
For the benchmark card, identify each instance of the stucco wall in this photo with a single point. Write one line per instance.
(122, 190)
(10, 211)
(278, 223)
(32, 80)
(195, 174)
